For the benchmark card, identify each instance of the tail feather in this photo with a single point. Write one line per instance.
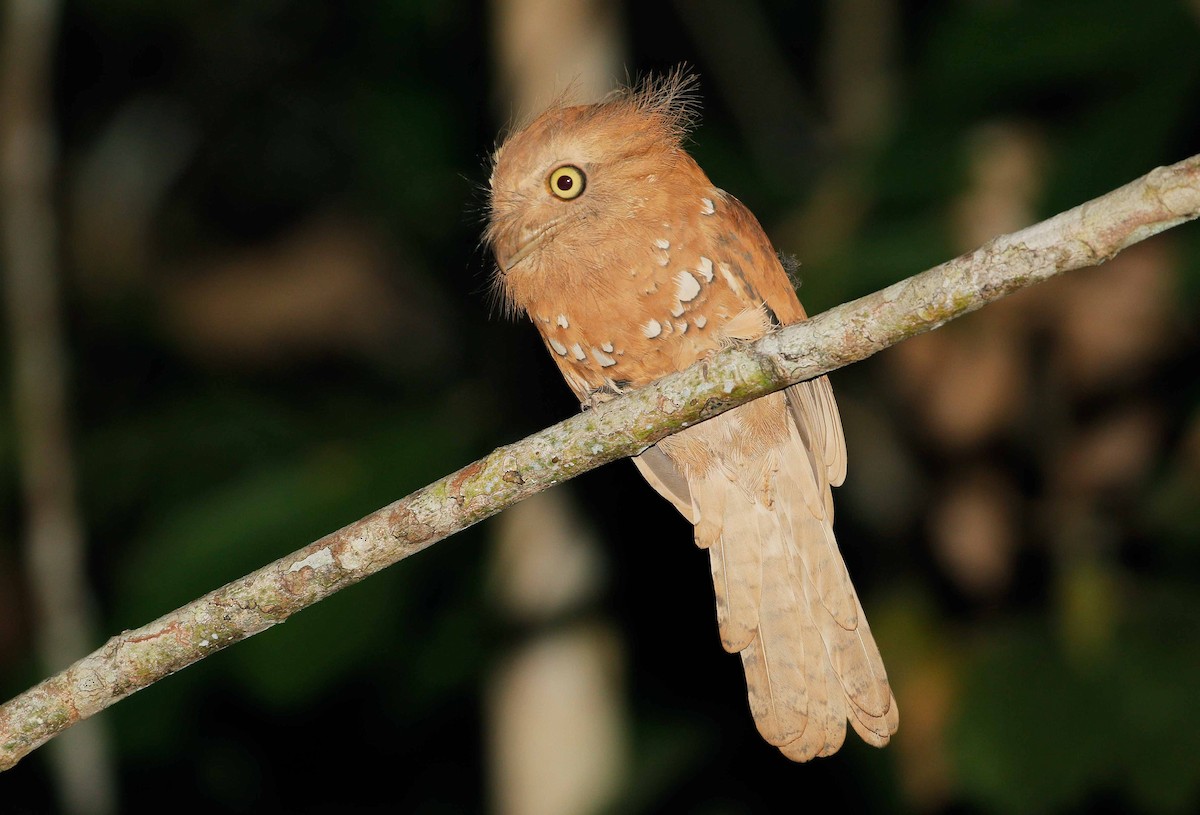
(827, 727)
(812, 538)
(777, 657)
(827, 716)
(784, 597)
(814, 408)
(736, 569)
(875, 730)
(857, 665)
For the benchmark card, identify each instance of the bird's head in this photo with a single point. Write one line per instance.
(571, 191)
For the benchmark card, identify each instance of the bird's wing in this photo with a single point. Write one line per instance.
(666, 479)
(756, 484)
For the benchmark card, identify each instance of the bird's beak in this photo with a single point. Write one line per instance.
(531, 242)
(523, 251)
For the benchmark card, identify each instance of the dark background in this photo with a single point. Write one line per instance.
(278, 321)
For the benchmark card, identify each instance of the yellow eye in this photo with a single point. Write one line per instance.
(567, 182)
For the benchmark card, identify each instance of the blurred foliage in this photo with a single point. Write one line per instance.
(1023, 689)
(198, 139)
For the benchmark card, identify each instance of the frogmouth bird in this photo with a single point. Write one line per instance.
(632, 265)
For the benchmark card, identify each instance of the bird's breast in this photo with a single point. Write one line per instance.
(661, 303)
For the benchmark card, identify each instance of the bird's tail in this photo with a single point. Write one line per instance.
(785, 602)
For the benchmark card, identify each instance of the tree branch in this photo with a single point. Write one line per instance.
(1083, 236)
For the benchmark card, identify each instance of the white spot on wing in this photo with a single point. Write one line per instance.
(705, 269)
(689, 286)
(682, 326)
(578, 352)
(652, 329)
(562, 321)
(727, 273)
(677, 310)
(607, 346)
(707, 207)
(701, 321)
(558, 347)
(664, 257)
(604, 359)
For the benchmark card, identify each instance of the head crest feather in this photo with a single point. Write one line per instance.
(672, 98)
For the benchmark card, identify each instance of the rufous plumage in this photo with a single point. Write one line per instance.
(632, 264)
